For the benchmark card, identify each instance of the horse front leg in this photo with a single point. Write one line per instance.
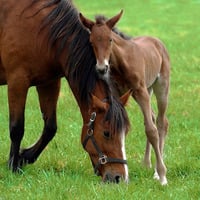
(48, 97)
(147, 154)
(16, 99)
(143, 99)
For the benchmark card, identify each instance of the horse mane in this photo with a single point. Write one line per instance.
(66, 31)
(101, 19)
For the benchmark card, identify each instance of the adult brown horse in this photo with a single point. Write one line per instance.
(40, 42)
(140, 63)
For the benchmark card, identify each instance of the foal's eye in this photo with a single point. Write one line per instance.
(106, 134)
(111, 40)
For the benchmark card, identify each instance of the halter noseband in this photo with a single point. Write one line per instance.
(103, 159)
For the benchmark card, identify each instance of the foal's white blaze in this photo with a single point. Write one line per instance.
(124, 156)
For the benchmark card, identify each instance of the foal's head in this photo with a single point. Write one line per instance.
(103, 137)
(101, 39)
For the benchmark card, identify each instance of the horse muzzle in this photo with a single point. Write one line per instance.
(112, 178)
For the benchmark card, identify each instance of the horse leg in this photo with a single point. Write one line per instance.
(161, 90)
(48, 96)
(147, 154)
(142, 97)
(17, 94)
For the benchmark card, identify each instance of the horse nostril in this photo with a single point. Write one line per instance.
(103, 71)
(110, 178)
(106, 68)
(117, 179)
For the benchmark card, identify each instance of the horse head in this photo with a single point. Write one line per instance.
(101, 39)
(104, 141)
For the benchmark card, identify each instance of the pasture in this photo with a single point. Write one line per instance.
(64, 171)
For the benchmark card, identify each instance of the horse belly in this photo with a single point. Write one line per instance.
(2, 75)
(153, 64)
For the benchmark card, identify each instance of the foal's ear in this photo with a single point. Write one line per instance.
(112, 21)
(125, 97)
(86, 22)
(98, 104)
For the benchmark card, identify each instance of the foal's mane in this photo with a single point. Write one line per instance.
(65, 31)
(101, 19)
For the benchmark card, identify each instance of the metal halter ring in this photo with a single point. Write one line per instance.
(103, 159)
(90, 132)
(93, 117)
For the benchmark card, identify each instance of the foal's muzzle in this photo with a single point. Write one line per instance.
(102, 71)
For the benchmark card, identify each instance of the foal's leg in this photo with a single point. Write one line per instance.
(161, 90)
(147, 155)
(48, 96)
(17, 93)
(143, 99)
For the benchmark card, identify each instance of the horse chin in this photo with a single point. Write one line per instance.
(104, 76)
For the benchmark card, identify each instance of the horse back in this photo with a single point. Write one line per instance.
(23, 47)
(156, 57)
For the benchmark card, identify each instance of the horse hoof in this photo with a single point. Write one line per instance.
(163, 181)
(13, 167)
(156, 176)
(26, 157)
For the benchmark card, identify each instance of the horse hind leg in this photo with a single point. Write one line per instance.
(16, 99)
(48, 96)
(161, 90)
(143, 99)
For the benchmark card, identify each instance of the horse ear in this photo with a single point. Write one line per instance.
(86, 22)
(98, 104)
(125, 97)
(112, 21)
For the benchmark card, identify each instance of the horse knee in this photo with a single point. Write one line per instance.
(152, 135)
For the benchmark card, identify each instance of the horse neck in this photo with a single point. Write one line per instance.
(119, 47)
(86, 107)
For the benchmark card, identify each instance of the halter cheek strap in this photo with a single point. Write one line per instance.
(103, 159)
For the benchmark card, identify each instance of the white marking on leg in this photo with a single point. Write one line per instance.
(163, 180)
(156, 176)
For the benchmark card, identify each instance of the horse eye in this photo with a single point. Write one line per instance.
(106, 134)
(111, 40)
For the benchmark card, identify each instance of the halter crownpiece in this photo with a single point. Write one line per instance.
(103, 159)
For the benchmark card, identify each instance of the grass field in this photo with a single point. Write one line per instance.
(63, 171)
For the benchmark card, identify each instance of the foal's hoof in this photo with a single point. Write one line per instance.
(163, 180)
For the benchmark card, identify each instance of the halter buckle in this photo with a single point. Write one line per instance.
(93, 117)
(103, 159)
(90, 132)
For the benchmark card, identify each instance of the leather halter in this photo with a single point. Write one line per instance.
(103, 159)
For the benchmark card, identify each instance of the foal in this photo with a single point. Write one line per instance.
(140, 63)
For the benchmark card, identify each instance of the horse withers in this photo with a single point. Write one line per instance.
(143, 64)
(42, 41)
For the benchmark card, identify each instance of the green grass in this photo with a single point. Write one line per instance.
(63, 171)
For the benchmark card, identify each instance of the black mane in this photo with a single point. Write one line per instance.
(67, 32)
(101, 19)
